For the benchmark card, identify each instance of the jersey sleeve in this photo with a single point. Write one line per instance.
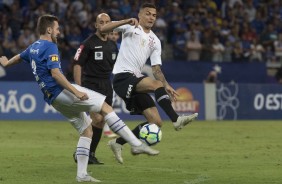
(52, 55)
(122, 28)
(81, 54)
(156, 54)
(25, 55)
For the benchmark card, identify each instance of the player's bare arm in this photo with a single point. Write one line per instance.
(14, 60)
(112, 25)
(158, 74)
(77, 74)
(61, 79)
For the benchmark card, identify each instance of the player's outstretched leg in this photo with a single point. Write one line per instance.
(116, 144)
(135, 150)
(183, 121)
(164, 101)
(120, 128)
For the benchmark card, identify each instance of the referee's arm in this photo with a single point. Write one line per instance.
(80, 59)
(77, 74)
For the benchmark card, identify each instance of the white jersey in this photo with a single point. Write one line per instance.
(136, 47)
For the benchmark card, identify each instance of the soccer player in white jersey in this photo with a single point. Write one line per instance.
(72, 101)
(138, 44)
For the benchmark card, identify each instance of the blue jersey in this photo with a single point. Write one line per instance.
(43, 56)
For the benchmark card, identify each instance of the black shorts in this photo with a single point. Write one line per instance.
(124, 85)
(103, 86)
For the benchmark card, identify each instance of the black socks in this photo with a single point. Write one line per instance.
(135, 131)
(164, 101)
(97, 133)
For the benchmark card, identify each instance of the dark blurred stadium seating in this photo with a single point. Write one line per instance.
(234, 23)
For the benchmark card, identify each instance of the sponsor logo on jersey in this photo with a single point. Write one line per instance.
(78, 52)
(98, 55)
(151, 43)
(54, 58)
(34, 51)
(143, 41)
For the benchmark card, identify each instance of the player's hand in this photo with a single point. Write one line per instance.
(4, 61)
(171, 92)
(133, 22)
(82, 96)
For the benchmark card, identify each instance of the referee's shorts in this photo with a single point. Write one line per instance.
(103, 86)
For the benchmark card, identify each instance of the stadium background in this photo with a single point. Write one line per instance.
(241, 81)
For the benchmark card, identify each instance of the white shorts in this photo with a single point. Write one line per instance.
(75, 110)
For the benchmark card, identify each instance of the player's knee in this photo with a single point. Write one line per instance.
(99, 123)
(157, 84)
(97, 120)
(152, 85)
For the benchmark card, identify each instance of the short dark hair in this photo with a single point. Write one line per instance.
(148, 5)
(44, 22)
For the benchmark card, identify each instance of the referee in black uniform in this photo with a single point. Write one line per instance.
(93, 65)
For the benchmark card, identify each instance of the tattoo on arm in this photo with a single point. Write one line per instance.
(158, 74)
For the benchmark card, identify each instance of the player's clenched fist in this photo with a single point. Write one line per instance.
(133, 22)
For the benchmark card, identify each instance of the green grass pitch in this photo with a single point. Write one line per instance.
(205, 152)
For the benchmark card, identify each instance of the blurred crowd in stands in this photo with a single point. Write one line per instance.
(190, 30)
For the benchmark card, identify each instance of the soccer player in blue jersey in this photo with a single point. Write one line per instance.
(70, 100)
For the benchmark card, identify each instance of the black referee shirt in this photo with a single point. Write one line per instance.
(96, 57)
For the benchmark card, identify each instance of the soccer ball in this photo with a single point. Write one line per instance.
(150, 134)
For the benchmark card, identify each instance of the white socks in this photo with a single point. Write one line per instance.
(82, 154)
(119, 127)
